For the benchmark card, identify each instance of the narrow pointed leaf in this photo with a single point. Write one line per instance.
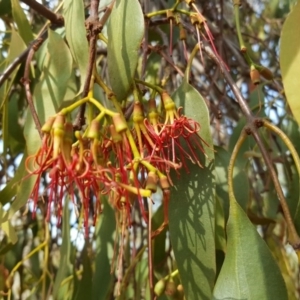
(9, 231)
(125, 33)
(65, 267)
(83, 287)
(56, 71)
(73, 12)
(22, 22)
(290, 59)
(104, 246)
(249, 270)
(191, 209)
(17, 45)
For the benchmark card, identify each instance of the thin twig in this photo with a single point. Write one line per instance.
(45, 12)
(26, 82)
(94, 26)
(166, 57)
(21, 57)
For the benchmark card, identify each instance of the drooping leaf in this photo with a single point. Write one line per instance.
(22, 187)
(159, 242)
(57, 69)
(22, 22)
(220, 226)
(9, 231)
(5, 7)
(249, 270)
(290, 59)
(73, 12)
(16, 141)
(104, 245)
(125, 33)
(17, 45)
(10, 190)
(291, 129)
(65, 266)
(83, 287)
(191, 209)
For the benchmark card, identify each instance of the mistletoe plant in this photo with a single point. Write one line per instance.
(155, 156)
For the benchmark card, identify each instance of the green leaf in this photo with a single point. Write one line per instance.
(249, 270)
(5, 7)
(10, 232)
(104, 245)
(192, 208)
(16, 141)
(73, 12)
(65, 267)
(11, 188)
(159, 242)
(22, 194)
(22, 22)
(290, 59)
(240, 180)
(57, 69)
(220, 226)
(125, 33)
(50, 91)
(84, 285)
(17, 45)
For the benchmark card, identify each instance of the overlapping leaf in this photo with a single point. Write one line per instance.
(191, 210)
(104, 246)
(73, 13)
(125, 33)
(65, 266)
(22, 22)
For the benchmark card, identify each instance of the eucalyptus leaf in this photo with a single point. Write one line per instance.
(16, 141)
(125, 33)
(65, 266)
(17, 45)
(192, 205)
(83, 287)
(104, 244)
(57, 69)
(22, 22)
(11, 188)
(5, 7)
(73, 12)
(290, 59)
(249, 270)
(9, 231)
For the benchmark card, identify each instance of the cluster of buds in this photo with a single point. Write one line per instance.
(125, 159)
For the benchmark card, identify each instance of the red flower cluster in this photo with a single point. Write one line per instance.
(125, 160)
